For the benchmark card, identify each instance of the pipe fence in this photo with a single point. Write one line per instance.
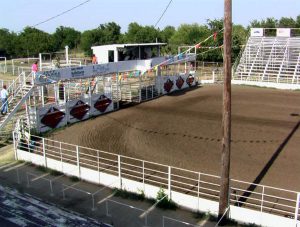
(257, 197)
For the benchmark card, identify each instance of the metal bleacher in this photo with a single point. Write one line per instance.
(270, 59)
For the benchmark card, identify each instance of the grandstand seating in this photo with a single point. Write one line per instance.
(270, 59)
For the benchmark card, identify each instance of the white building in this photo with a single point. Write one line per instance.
(125, 52)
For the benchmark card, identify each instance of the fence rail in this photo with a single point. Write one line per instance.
(201, 185)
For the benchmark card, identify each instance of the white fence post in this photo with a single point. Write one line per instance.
(169, 181)
(44, 153)
(198, 192)
(61, 159)
(15, 148)
(262, 198)
(143, 176)
(297, 208)
(119, 171)
(78, 164)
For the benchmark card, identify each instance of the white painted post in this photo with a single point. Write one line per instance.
(169, 181)
(13, 67)
(67, 55)
(262, 198)
(37, 114)
(90, 98)
(78, 164)
(41, 63)
(198, 193)
(61, 160)
(15, 149)
(297, 207)
(117, 79)
(64, 90)
(119, 171)
(44, 152)
(213, 75)
(56, 93)
(24, 78)
(144, 176)
(68, 90)
(42, 91)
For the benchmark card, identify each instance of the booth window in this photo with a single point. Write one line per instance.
(111, 56)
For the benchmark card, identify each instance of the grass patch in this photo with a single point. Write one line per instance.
(200, 215)
(42, 169)
(74, 179)
(123, 193)
(212, 218)
(165, 202)
(47, 170)
(55, 173)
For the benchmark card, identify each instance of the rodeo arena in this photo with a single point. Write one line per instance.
(134, 144)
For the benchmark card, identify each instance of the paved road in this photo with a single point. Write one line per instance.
(18, 209)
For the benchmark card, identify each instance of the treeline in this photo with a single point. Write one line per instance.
(32, 41)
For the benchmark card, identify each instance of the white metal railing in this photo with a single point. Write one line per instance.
(16, 63)
(3, 66)
(249, 195)
(16, 85)
(19, 91)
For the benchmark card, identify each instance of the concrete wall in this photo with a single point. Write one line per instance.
(267, 84)
(190, 202)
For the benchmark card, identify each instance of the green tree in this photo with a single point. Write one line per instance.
(287, 22)
(269, 22)
(189, 34)
(239, 38)
(65, 36)
(298, 21)
(141, 34)
(7, 39)
(105, 34)
(32, 41)
(165, 35)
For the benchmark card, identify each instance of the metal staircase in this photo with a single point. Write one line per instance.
(19, 91)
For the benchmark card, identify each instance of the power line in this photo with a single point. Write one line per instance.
(60, 14)
(163, 13)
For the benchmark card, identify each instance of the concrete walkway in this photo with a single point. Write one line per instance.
(22, 183)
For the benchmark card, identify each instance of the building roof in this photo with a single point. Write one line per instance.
(131, 45)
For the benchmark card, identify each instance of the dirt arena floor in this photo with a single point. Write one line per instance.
(184, 130)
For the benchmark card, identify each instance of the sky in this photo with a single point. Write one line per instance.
(17, 14)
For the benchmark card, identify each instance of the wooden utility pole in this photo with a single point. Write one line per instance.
(226, 121)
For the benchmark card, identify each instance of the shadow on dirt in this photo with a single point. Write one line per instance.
(264, 171)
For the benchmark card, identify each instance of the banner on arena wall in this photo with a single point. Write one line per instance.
(283, 32)
(51, 117)
(257, 32)
(169, 84)
(101, 103)
(78, 109)
(56, 116)
(53, 76)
